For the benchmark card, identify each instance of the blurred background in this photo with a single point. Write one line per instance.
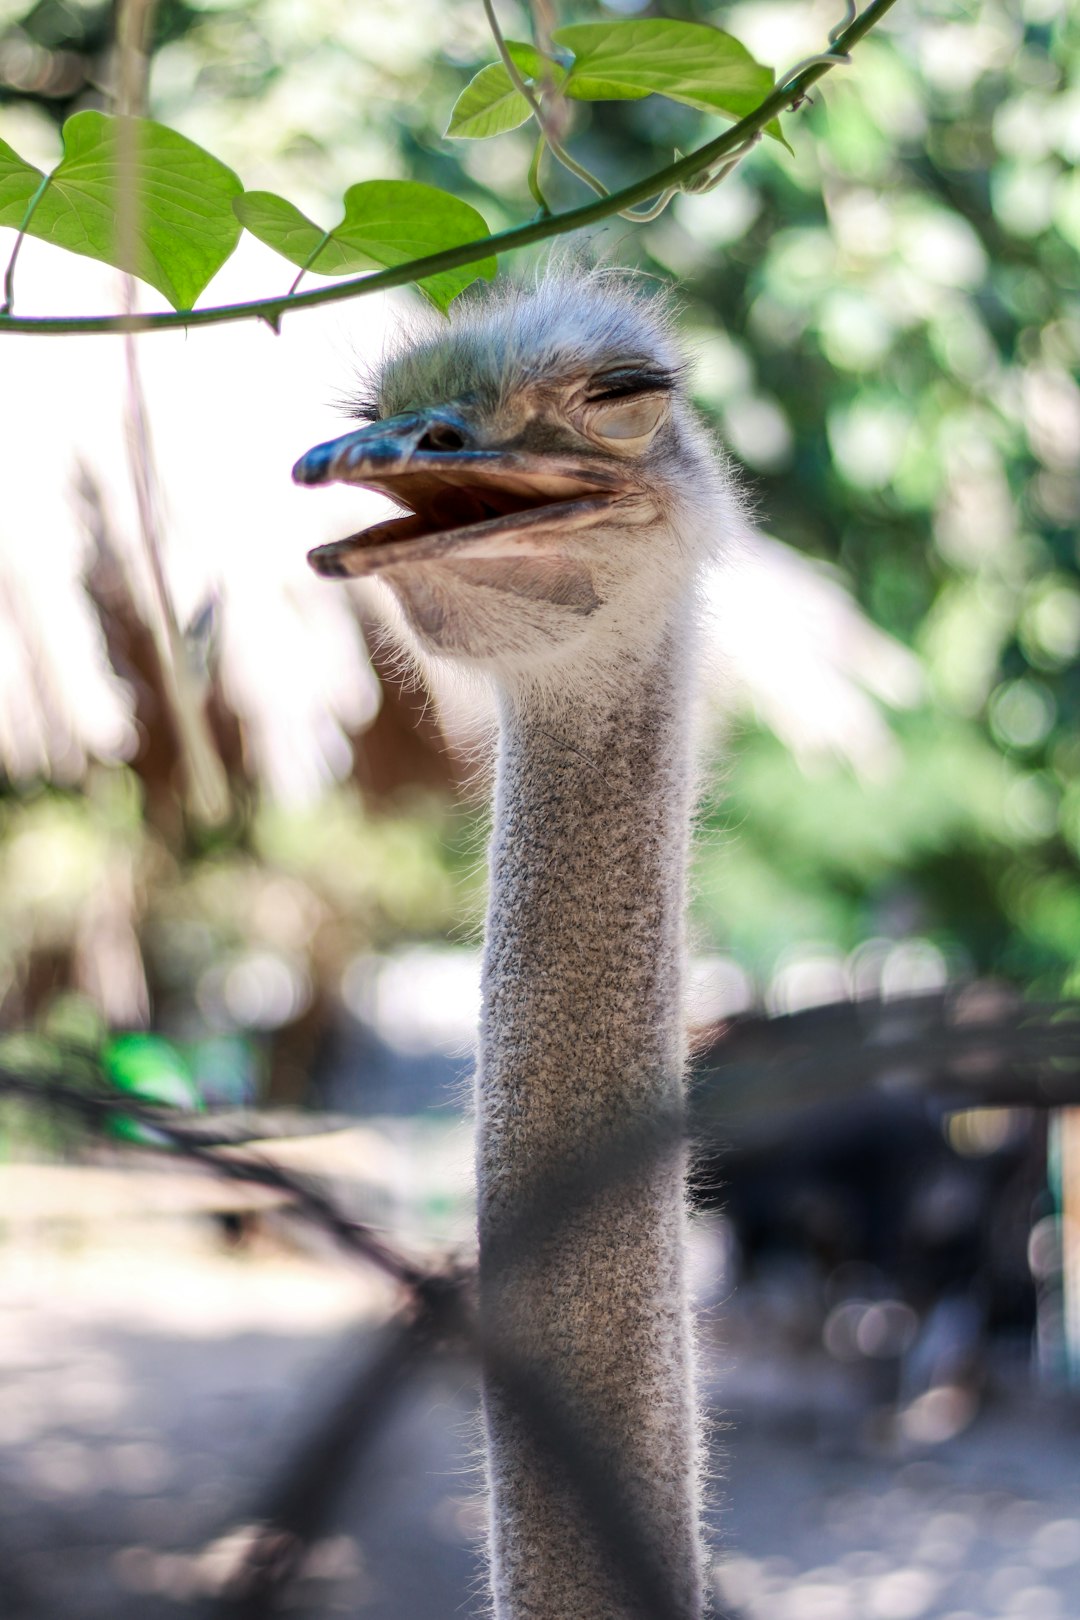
(241, 846)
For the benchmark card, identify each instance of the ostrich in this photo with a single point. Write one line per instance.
(560, 500)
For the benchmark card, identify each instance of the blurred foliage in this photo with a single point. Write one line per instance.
(900, 332)
(237, 953)
(886, 327)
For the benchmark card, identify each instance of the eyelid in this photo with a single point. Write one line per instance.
(629, 421)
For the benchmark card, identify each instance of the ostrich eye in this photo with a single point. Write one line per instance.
(624, 407)
(627, 423)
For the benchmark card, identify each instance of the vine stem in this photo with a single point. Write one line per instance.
(309, 261)
(272, 310)
(9, 274)
(534, 178)
(548, 134)
(548, 137)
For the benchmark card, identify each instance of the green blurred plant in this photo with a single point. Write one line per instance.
(887, 331)
(136, 194)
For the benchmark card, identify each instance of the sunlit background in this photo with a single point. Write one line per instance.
(241, 846)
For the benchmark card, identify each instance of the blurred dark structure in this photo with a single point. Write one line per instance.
(891, 1152)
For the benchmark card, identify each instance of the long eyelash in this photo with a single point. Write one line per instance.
(364, 408)
(624, 385)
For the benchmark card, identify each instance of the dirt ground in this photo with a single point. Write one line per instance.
(151, 1381)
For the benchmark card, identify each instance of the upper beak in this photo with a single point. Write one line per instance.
(464, 499)
(383, 450)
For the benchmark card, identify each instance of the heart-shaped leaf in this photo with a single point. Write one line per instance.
(624, 61)
(386, 223)
(140, 196)
(18, 182)
(689, 62)
(490, 104)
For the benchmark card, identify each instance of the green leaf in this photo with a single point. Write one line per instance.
(182, 225)
(386, 223)
(282, 226)
(18, 182)
(688, 62)
(490, 105)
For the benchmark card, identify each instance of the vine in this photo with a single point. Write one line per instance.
(189, 208)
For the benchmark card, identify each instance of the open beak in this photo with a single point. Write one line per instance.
(459, 500)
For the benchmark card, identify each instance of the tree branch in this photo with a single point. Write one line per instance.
(272, 310)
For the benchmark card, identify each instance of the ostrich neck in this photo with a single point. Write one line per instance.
(581, 1044)
(583, 961)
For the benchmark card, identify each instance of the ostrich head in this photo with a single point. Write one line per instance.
(558, 492)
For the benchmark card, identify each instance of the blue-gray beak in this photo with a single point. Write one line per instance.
(385, 449)
(458, 495)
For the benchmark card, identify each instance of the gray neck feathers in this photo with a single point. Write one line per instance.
(581, 1065)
